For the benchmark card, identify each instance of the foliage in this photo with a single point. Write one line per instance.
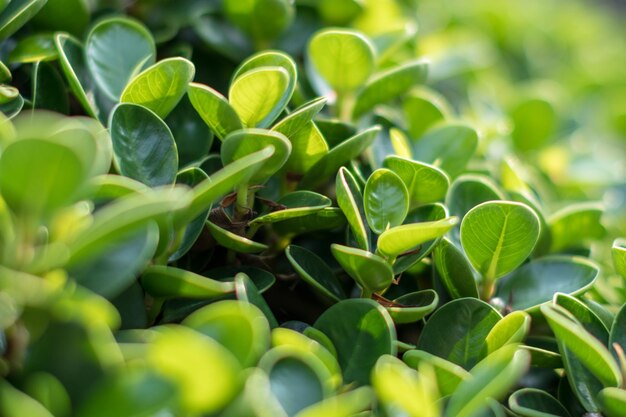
(277, 208)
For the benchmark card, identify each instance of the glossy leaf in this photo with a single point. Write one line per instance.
(234, 241)
(618, 252)
(192, 135)
(361, 331)
(328, 218)
(613, 401)
(245, 290)
(454, 270)
(400, 239)
(48, 90)
(618, 333)
(498, 236)
(342, 405)
(457, 331)
(575, 226)
(491, 378)
(344, 58)
(388, 85)
(413, 306)
(370, 271)
(337, 157)
(165, 281)
(448, 374)
(257, 95)
(244, 142)
(240, 327)
(350, 200)
(116, 50)
(385, 200)
(531, 402)
(425, 183)
(448, 147)
(513, 328)
(315, 272)
(161, 86)
(468, 191)
(536, 282)
(214, 109)
(16, 14)
(34, 48)
(293, 205)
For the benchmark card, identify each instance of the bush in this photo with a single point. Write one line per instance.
(260, 208)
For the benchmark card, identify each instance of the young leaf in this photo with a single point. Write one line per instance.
(613, 401)
(350, 200)
(165, 281)
(214, 109)
(233, 241)
(400, 239)
(498, 236)
(448, 375)
(361, 331)
(370, 271)
(244, 142)
(513, 328)
(425, 183)
(386, 200)
(143, 145)
(258, 95)
(454, 270)
(116, 50)
(161, 86)
(344, 58)
(457, 331)
(413, 306)
(389, 84)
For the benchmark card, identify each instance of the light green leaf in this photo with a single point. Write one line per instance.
(234, 241)
(343, 405)
(448, 374)
(400, 239)
(248, 292)
(425, 183)
(618, 251)
(498, 236)
(263, 20)
(214, 109)
(14, 403)
(293, 205)
(371, 272)
(344, 58)
(576, 225)
(413, 306)
(385, 200)
(613, 401)
(513, 328)
(258, 95)
(422, 109)
(167, 282)
(161, 86)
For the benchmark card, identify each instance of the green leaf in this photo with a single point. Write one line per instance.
(293, 205)
(8, 94)
(350, 201)
(114, 268)
(448, 374)
(337, 157)
(425, 183)
(308, 144)
(48, 89)
(39, 176)
(454, 270)
(64, 15)
(457, 331)
(248, 292)
(131, 392)
(344, 58)
(238, 326)
(206, 384)
(400, 239)
(247, 141)
(192, 135)
(513, 328)
(618, 251)
(296, 379)
(498, 236)
(13, 107)
(14, 403)
(167, 282)
(534, 123)
(343, 405)
(491, 378)
(590, 321)
(258, 95)
(613, 401)
(261, 278)
(370, 271)
(161, 86)
(361, 331)
(223, 182)
(576, 225)
(389, 84)
(72, 61)
(536, 282)
(618, 333)
(403, 391)
(116, 50)
(234, 241)
(385, 200)
(263, 20)
(449, 147)
(143, 145)
(214, 109)
(314, 271)
(34, 48)
(413, 306)
(532, 402)
(16, 14)
(585, 348)
(422, 109)
(191, 177)
(328, 218)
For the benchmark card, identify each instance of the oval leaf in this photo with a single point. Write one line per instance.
(386, 200)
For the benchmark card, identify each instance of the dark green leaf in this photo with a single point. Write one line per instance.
(314, 271)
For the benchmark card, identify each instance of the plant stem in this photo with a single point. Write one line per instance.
(489, 286)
